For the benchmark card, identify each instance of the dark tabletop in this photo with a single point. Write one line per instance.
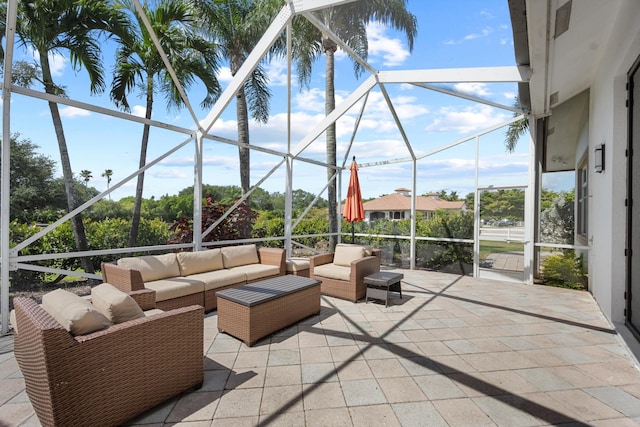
(266, 290)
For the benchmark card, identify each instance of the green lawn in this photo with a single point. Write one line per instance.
(491, 247)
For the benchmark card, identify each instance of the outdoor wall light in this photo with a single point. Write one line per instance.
(599, 158)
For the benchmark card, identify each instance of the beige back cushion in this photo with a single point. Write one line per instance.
(116, 305)
(200, 262)
(75, 314)
(153, 267)
(234, 256)
(346, 253)
(368, 250)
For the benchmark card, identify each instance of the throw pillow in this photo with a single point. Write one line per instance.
(116, 305)
(75, 314)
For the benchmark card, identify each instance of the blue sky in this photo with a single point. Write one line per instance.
(451, 34)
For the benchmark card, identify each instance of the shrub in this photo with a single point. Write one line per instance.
(564, 270)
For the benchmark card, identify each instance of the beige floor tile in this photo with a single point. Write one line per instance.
(321, 396)
(462, 412)
(418, 414)
(284, 419)
(377, 415)
(346, 353)
(354, 370)
(195, 407)
(332, 417)
(235, 422)
(362, 392)
(257, 359)
(245, 402)
(403, 389)
(246, 378)
(281, 399)
(14, 414)
(387, 368)
(436, 387)
(315, 355)
(318, 372)
(283, 375)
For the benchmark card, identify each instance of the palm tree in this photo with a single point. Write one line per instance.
(107, 174)
(86, 176)
(236, 26)
(348, 22)
(139, 64)
(72, 26)
(515, 130)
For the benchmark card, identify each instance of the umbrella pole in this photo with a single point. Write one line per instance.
(353, 233)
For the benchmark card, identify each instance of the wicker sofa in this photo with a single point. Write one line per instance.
(186, 278)
(108, 376)
(342, 272)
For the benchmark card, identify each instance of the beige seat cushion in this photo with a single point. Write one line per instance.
(219, 278)
(199, 262)
(175, 287)
(345, 254)
(234, 256)
(297, 264)
(153, 267)
(116, 305)
(75, 314)
(13, 322)
(257, 271)
(332, 271)
(153, 312)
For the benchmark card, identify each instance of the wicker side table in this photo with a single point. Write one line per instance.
(380, 284)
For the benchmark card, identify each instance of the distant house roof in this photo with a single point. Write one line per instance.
(402, 202)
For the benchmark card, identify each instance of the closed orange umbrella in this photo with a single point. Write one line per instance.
(353, 209)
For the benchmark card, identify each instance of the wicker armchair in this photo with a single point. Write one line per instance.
(107, 377)
(352, 289)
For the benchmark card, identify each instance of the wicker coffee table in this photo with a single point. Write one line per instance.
(380, 284)
(253, 311)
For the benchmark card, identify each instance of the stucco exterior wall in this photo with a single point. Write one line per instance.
(608, 125)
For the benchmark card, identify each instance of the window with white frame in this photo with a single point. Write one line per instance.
(583, 199)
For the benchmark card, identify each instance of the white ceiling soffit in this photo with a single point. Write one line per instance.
(564, 64)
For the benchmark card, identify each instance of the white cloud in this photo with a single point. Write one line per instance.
(224, 74)
(475, 89)
(510, 95)
(57, 63)
(138, 110)
(72, 112)
(392, 50)
(466, 120)
(486, 14)
(484, 33)
(277, 71)
(168, 173)
(309, 100)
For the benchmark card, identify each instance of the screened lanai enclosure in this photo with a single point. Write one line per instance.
(375, 117)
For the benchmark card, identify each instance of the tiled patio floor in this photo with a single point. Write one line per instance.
(454, 351)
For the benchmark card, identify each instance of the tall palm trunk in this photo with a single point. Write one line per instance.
(330, 104)
(69, 185)
(244, 154)
(137, 205)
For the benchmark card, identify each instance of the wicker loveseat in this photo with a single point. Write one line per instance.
(186, 278)
(342, 273)
(109, 376)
